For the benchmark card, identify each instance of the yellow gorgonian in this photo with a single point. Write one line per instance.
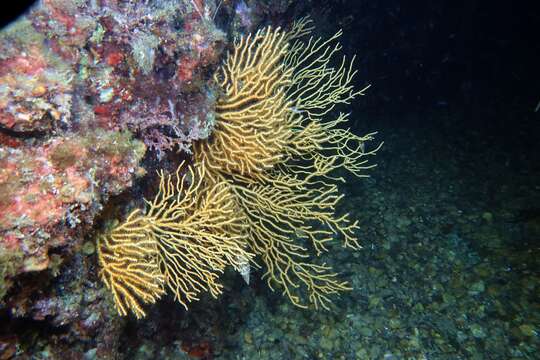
(129, 263)
(189, 234)
(265, 182)
(276, 148)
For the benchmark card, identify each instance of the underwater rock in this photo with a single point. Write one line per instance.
(86, 88)
(35, 83)
(51, 191)
(78, 82)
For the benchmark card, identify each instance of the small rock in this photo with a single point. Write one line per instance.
(477, 331)
(88, 248)
(375, 352)
(477, 288)
(488, 217)
(528, 330)
(90, 354)
(394, 323)
(361, 354)
(365, 331)
(403, 222)
(373, 302)
(326, 344)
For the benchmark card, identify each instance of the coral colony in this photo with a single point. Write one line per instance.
(256, 185)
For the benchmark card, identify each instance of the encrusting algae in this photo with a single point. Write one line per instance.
(269, 166)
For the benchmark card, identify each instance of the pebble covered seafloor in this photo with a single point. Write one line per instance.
(449, 268)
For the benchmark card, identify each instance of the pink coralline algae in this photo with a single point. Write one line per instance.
(35, 84)
(146, 71)
(49, 190)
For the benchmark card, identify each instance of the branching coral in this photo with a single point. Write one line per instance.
(265, 179)
(189, 235)
(276, 151)
(129, 265)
